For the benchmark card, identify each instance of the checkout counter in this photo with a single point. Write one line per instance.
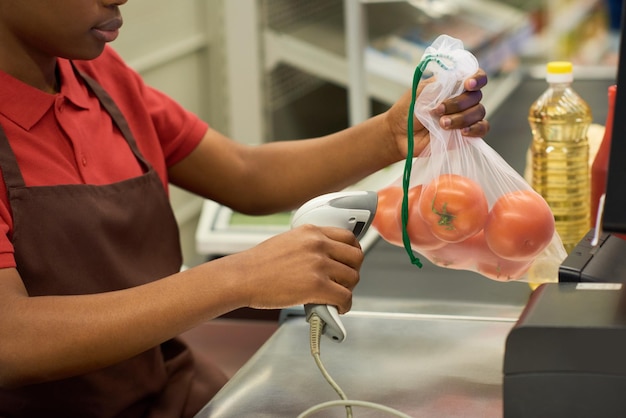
(429, 342)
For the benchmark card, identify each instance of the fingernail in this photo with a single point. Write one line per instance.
(465, 131)
(440, 110)
(472, 83)
(445, 122)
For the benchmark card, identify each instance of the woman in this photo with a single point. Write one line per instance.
(91, 296)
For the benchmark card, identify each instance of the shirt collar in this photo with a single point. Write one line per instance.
(26, 105)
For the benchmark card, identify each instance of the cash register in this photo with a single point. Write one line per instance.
(566, 355)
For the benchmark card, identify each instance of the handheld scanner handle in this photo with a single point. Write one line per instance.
(353, 211)
(333, 327)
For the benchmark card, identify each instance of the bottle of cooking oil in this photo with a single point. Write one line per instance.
(559, 120)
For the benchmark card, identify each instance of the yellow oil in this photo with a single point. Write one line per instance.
(559, 121)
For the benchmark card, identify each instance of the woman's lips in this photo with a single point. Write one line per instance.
(109, 30)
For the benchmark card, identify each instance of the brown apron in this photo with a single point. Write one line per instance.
(81, 239)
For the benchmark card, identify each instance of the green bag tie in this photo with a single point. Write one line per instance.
(408, 165)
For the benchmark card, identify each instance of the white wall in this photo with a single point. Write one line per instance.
(177, 47)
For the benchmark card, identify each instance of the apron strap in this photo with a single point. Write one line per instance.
(11, 173)
(116, 114)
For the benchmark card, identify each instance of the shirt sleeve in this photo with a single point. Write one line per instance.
(180, 131)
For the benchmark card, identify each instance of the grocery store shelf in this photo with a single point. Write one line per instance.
(566, 17)
(310, 53)
(319, 47)
(573, 30)
(289, 51)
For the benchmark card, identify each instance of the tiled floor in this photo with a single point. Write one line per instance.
(232, 342)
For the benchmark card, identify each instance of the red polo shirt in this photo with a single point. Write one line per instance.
(67, 138)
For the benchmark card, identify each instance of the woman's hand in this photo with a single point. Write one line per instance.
(463, 112)
(308, 264)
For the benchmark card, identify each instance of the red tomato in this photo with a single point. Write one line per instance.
(454, 206)
(520, 225)
(386, 219)
(503, 270)
(493, 267)
(419, 231)
(459, 255)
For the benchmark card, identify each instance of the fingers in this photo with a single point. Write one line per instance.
(462, 102)
(465, 111)
(341, 235)
(462, 114)
(476, 130)
(477, 81)
(344, 299)
(333, 261)
(308, 264)
(343, 255)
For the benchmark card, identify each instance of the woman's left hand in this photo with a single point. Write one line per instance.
(463, 112)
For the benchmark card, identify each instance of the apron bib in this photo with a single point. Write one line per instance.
(80, 239)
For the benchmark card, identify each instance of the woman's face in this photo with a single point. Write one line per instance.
(74, 29)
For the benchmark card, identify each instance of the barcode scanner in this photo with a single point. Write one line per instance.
(351, 210)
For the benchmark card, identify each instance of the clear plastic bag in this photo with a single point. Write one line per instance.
(459, 203)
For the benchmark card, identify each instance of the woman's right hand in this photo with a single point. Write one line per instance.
(308, 264)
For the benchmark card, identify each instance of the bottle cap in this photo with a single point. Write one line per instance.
(559, 72)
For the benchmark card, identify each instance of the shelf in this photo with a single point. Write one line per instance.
(318, 46)
(574, 30)
(565, 18)
(310, 54)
